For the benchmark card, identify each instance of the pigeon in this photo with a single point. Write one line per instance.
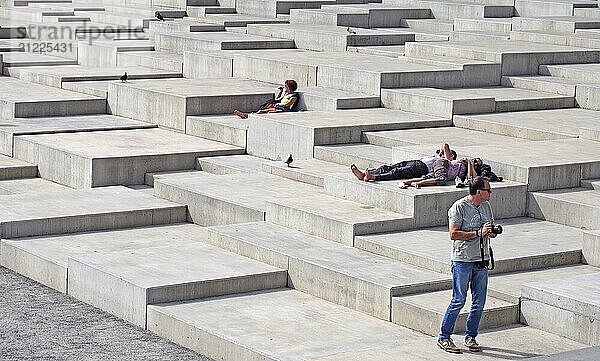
(289, 160)
(123, 77)
(159, 16)
(350, 31)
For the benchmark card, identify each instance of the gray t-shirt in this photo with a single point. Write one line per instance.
(470, 218)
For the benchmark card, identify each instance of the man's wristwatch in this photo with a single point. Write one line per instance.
(476, 233)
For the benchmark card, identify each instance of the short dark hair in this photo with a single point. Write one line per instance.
(477, 183)
(453, 154)
(291, 84)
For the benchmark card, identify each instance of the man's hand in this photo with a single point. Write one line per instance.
(486, 230)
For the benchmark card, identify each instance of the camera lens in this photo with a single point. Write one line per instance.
(497, 229)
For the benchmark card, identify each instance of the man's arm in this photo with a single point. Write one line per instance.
(447, 152)
(457, 234)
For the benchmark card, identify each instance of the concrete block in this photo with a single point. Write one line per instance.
(334, 219)
(124, 157)
(363, 155)
(207, 65)
(99, 54)
(199, 42)
(14, 169)
(334, 17)
(497, 25)
(240, 20)
(318, 98)
(586, 73)
(591, 248)
(152, 59)
(588, 96)
(549, 8)
(230, 164)
(139, 277)
(424, 312)
(71, 211)
(227, 199)
(590, 132)
(271, 8)
(311, 171)
(228, 129)
(575, 207)
(167, 102)
(546, 84)
(278, 65)
(522, 247)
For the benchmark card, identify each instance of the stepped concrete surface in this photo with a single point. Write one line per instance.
(424, 312)
(230, 164)
(517, 57)
(508, 286)
(568, 307)
(585, 354)
(228, 129)
(23, 99)
(28, 185)
(532, 125)
(180, 42)
(105, 52)
(591, 247)
(45, 259)
(138, 277)
(446, 103)
(548, 84)
(427, 205)
(550, 164)
(231, 198)
(346, 335)
(14, 169)
(298, 133)
(523, 246)
(362, 155)
(575, 207)
(124, 157)
(95, 88)
(11, 128)
(68, 211)
(12, 62)
(311, 171)
(168, 101)
(582, 72)
(57, 75)
(240, 20)
(551, 7)
(152, 59)
(340, 274)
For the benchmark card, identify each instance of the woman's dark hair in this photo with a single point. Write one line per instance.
(453, 154)
(476, 184)
(292, 85)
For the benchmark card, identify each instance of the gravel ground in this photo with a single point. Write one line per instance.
(39, 323)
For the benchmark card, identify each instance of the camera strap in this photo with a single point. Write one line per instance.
(492, 264)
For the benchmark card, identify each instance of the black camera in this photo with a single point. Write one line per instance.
(497, 229)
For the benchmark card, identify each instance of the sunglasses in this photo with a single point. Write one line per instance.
(486, 189)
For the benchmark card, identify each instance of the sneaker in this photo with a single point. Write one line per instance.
(458, 182)
(472, 344)
(448, 345)
(467, 182)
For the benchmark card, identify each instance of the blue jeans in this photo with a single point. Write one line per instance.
(463, 275)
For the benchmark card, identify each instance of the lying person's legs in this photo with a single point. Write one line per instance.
(240, 114)
(403, 170)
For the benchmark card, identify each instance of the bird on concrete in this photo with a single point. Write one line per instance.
(350, 31)
(289, 160)
(123, 77)
(159, 16)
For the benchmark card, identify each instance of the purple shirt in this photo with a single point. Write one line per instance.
(456, 169)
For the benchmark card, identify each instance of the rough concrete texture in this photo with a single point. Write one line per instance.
(66, 329)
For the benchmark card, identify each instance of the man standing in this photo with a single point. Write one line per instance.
(470, 220)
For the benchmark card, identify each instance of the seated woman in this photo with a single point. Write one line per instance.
(285, 101)
(443, 170)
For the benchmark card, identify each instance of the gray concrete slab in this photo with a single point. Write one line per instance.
(311, 171)
(68, 211)
(298, 133)
(123, 157)
(45, 259)
(152, 59)
(240, 20)
(168, 101)
(28, 185)
(10, 128)
(576, 207)
(105, 52)
(24, 59)
(532, 125)
(94, 88)
(424, 312)
(574, 301)
(180, 42)
(508, 286)
(229, 129)
(230, 164)
(57, 75)
(143, 276)
(13, 169)
(341, 274)
(521, 247)
(548, 84)
(581, 72)
(232, 198)
(586, 354)
(591, 248)
(23, 99)
(392, 51)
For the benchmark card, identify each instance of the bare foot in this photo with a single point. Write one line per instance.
(240, 114)
(360, 175)
(368, 175)
(416, 185)
(403, 185)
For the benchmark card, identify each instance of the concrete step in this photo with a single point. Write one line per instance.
(319, 98)
(547, 84)
(392, 51)
(361, 16)
(424, 312)
(477, 36)
(555, 24)
(591, 242)
(517, 57)
(23, 99)
(105, 53)
(211, 64)
(68, 211)
(576, 207)
(340, 274)
(533, 125)
(333, 218)
(298, 133)
(182, 25)
(311, 171)
(17, 60)
(168, 102)
(567, 307)
(447, 10)
(230, 164)
(240, 20)
(509, 286)
(180, 42)
(231, 198)
(449, 102)
(490, 25)
(520, 248)
(590, 183)
(273, 8)
(124, 157)
(589, 73)
(200, 11)
(565, 163)
(228, 129)
(550, 7)
(363, 155)
(57, 75)
(151, 59)
(15, 169)
(11, 128)
(18, 184)
(435, 25)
